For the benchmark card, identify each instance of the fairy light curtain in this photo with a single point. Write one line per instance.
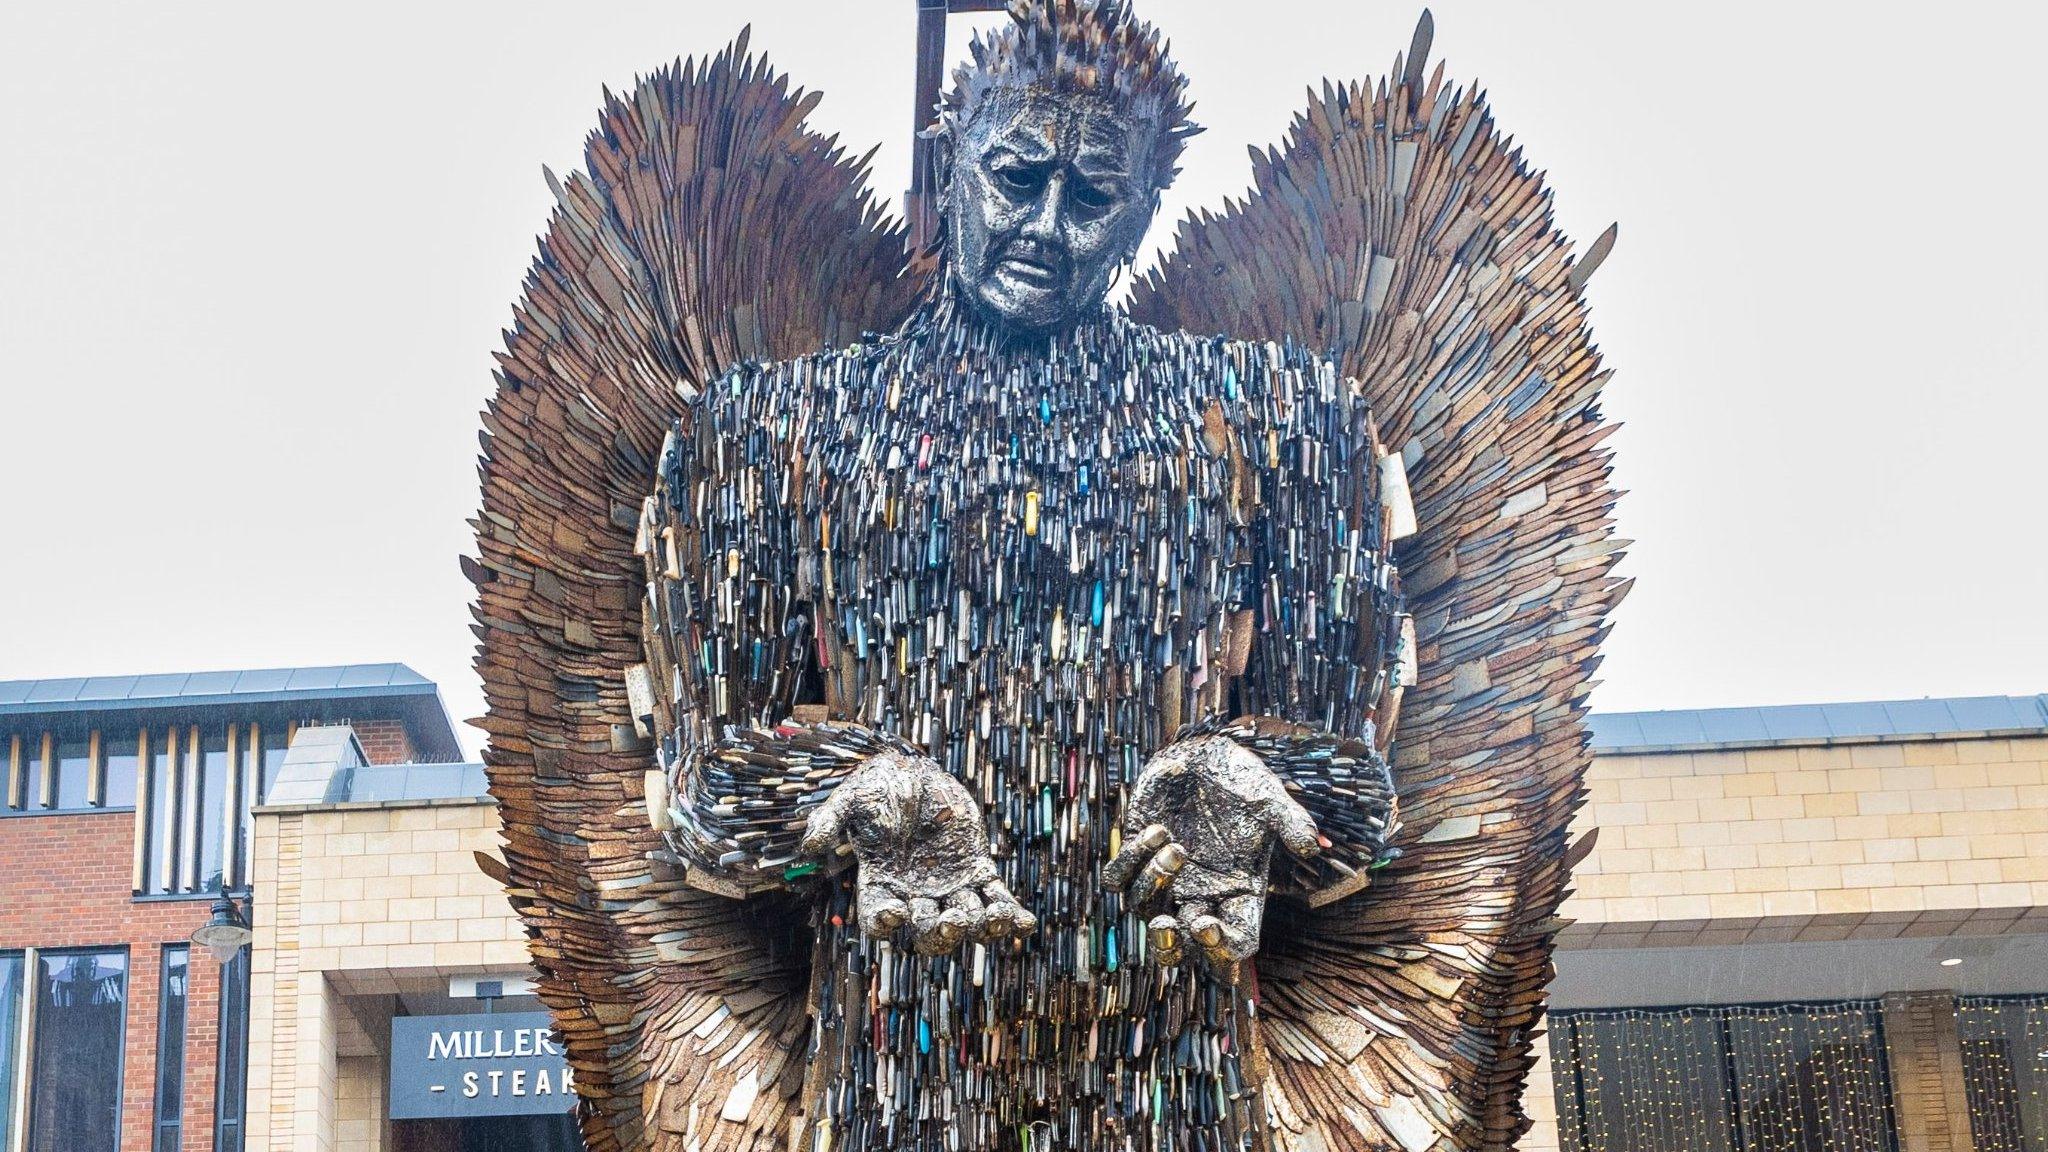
(2005, 1070)
(1783, 1078)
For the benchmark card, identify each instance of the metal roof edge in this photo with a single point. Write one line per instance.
(216, 699)
(1811, 742)
(1817, 725)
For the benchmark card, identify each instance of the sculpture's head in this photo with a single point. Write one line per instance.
(1053, 147)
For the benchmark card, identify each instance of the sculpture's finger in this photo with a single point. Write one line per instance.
(964, 917)
(924, 927)
(1005, 916)
(1158, 873)
(1230, 935)
(1165, 936)
(881, 912)
(1295, 827)
(1124, 866)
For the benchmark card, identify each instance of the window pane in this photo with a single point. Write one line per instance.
(10, 1034)
(170, 1048)
(119, 750)
(75, 1090)
(231, 1094)
(273, 758)
(74, 773)
(213, 785)
(2005, 1069)
(164, 789)
(34, 769)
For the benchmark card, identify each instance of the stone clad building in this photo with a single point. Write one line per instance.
(1800, 927)
(1794, 928)
(127, 811)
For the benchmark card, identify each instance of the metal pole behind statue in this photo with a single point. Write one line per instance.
(931, 71)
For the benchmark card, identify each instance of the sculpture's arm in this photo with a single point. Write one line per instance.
(1310, 667)
(761, 789)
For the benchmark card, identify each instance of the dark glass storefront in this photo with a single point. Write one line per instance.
(1782, 1078)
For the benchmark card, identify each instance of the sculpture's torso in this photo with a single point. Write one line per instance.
(1028, 565)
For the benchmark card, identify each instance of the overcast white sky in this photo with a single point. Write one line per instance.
(257, 255)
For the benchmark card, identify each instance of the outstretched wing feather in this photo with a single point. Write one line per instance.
(709, 225)
(1397, 231)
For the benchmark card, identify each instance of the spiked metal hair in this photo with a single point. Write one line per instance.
(1092, 47)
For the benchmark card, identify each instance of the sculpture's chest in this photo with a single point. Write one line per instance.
(1023, 561)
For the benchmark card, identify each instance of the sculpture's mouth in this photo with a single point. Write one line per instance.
(1032, 266)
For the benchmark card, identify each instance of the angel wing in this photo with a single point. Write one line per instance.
(1400, 233)
(709, 226)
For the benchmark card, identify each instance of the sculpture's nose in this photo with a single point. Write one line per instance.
(1043, 225)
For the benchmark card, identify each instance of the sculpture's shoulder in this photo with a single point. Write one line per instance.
(752, 389)
(1256, 382)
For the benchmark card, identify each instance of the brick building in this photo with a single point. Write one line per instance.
(1797, 928)
(126, 813)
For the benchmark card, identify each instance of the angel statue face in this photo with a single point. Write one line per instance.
(1044, 201)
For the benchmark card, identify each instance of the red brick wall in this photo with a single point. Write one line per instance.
(68, 886)
(384, 741)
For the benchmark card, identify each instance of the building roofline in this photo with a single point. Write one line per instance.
(1857, 722)
(315, 684)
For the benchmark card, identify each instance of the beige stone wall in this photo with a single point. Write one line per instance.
(352, 897)
(1540, 1101)
(359, 1100)
(1816, 842)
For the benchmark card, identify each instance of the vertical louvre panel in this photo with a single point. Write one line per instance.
(145, 812)
(96, 780)
(46, 773)
(230, 801)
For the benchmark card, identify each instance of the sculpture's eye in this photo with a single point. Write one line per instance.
(1018, 178)
(1093, 197)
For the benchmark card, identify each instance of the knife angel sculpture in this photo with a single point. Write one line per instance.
(934, 708)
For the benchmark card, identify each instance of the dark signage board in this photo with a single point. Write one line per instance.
(482, 1064)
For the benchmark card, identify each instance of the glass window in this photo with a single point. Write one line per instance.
(231, 1095)
(212, 801)
(10, 1035)
(75, 1086)
(36, 767)
(170, 1048)
(274, 741)
(196, 787)
(2005, 1070)
(119, 750)
(74, 766)
(1790, 1078)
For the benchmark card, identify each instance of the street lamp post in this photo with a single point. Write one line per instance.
(225, 932)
